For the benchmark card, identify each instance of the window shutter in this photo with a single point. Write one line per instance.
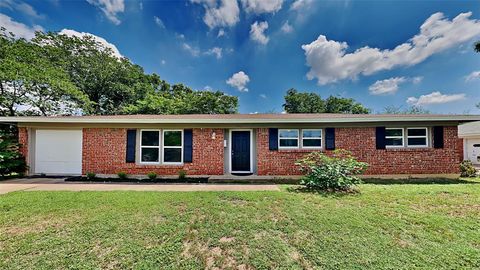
(131, 140)
(273, 138)
(187, 146)
(330, 138)
(438, 137)
(380, 137)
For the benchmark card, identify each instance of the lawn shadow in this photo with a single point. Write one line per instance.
(421, 181)
(323, 193)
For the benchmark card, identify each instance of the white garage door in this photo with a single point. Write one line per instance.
(58, 151)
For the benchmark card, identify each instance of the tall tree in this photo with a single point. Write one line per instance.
(409, 110)
(30, 83)
(297, 102)
(476, 46)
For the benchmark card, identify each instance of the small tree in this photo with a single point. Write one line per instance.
(11, 160)
(336, 172)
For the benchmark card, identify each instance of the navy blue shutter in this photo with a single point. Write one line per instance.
(131, 140)
(330, 138)
(380, 137)
(273, 138)
(438, 137)
(187, 146)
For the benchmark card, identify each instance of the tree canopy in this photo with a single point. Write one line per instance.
(401, 110)
(305, 102)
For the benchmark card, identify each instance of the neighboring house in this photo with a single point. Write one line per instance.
(261, 144)
(470, 132)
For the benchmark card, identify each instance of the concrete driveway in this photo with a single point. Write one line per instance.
(36, 184)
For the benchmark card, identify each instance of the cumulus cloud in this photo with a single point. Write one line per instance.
(22, 7)
(104, 42)
(434, 98)
(475, 75)
(19, 29)
(221, 33)
(391, 85)
(158, 22)
(222, 13)
(239, 80)
(301, 4)
(110, 8)
(329, 61)
(194, 51)
(257, 32)
(218, 52)
(286, 28)
(262, 6)
(263, 96)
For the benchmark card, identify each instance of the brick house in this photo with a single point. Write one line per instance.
(259, 144)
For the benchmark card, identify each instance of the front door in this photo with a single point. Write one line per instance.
(473, 153)
(240, 151)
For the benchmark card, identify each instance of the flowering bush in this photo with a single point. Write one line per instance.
(336, 172)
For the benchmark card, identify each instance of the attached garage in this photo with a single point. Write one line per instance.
(57, 151)
(470, 132)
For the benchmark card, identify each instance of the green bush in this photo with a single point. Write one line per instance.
(11, 160)
(91, 175)
(152, 176)
(122, 175)
(467, 169)
(182, 174)
(336, 172)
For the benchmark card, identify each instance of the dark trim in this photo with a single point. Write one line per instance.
(330, 138)
(131, 142)
(380, 137)
(187, 145)
(273, 139)
(438, 137)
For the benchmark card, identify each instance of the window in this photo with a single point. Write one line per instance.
(417, 137)
(312, 138)
(172, 146)
(150, 146)
(394, 137)
(288, 138)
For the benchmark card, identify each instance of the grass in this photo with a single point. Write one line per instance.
(404, 226)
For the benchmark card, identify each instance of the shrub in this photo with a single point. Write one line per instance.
(91, 175)
(122, 175)
(152, 176)
(182, 174)
(336, 172)
(467, 169)
(11, 160)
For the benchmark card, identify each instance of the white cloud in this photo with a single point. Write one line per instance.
(215, 51)
(329, 61)
(417, 80)
(434, 98)
(388, 86)
(194, 51)
(19, 29)
(257, 32)
(110, 8)
(473, 76)
(301, 4)
(22, 7)
(287, 28)
(104, 42)
(159, 22)
(263, 96)
(239, 80)
(163, 62)
(207, 88)
(221, 33)
(222, 13)
(140, 5)
(262, 6)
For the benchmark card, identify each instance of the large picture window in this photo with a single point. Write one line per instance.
(311, 138)
(417, 137)
(288, 138)
(150, 146)
(394, 137)
(172, 146)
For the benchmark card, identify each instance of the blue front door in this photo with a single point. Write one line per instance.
(241, 151)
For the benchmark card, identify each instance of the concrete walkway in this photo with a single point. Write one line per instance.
(36, 184)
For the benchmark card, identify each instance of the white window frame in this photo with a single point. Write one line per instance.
(289, 138)
(396, 137)
(313, 138)
(159, 146)
(175, 147)
(413, 137)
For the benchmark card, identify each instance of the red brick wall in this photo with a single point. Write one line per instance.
(23, 140)
(361, 142)
(104, 153)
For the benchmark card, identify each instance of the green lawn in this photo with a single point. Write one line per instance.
(402, 226)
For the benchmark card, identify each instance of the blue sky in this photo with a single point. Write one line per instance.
(379, 52)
